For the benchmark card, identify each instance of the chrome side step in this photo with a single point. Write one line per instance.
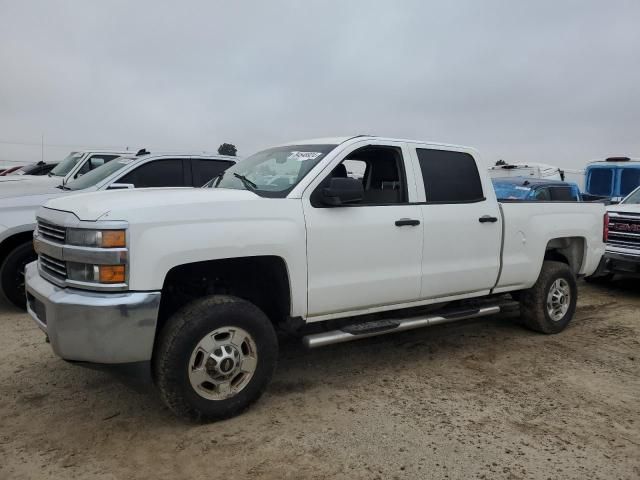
(381, 327)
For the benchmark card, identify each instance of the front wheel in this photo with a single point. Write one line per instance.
(214, 358)
(550, 304)
(12, 273)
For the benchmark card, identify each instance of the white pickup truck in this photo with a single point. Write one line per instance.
(622, 253)
(194, 283)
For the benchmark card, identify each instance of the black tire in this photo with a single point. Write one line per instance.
(179, 339)
(12, 274)
(533, 302)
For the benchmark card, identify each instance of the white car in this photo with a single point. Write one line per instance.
(18, 205)
(73, 166)
(192, 284)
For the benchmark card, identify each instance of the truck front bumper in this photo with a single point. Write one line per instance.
(96, 327)
(622, 262)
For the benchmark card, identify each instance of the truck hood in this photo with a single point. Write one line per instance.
(37, 186)
(628, 207)
(132, 204)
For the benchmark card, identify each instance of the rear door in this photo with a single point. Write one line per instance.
(461, 223)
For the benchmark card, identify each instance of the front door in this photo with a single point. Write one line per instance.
(367, 254)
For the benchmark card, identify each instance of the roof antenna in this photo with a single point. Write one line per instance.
(141, 152)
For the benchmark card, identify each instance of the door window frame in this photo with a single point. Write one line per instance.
(407, 169)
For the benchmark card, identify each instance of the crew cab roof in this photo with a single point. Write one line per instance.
(339, 140)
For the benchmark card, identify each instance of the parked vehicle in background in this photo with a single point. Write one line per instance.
(193, 282)
(614, 178)
(10, 170)
(622, 254)
(535, 189)
(73, 166)
(529, 170)
(40, 168)
(17, 210)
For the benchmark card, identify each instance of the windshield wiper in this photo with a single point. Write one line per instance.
(246, 182)
(63, 187)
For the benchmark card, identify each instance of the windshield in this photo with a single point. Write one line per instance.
(96, 175)
(510, 191)
(633, 198)
(66, 165)
(273, 172)
(600, 181)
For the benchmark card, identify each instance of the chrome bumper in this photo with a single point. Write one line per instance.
(95, 327)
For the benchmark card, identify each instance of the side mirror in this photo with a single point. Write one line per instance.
(342, 191)
(120, 186)
(96, 162)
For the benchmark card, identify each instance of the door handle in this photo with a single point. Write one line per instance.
(407, 222)
(488, 219)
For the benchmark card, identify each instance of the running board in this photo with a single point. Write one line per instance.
(381, 327)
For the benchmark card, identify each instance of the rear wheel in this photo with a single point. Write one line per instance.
(215, 357)
(12, 273)
(550, 304)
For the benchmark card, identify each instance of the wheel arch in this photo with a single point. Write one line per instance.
(13, 240)
(261, 280)
(569, 250)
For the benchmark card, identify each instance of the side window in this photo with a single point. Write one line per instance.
(381, 171)
(449, 177)
(158, 173)
(542, 194)
(355, 168)
(205, 170)
(95, 161)
(562, 194)
(629, 180)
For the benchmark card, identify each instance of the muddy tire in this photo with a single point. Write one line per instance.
(214, 358)
(550, 304)
(12, 274)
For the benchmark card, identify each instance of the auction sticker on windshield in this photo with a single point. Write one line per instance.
(303, 156)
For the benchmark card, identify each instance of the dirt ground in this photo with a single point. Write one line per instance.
(479, 399)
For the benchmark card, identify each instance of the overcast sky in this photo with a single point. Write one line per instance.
(550, 81)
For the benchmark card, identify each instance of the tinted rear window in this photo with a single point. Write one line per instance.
(449, 177)
(562, 194)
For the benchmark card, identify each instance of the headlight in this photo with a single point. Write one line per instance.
(83, 272)
(96, 238)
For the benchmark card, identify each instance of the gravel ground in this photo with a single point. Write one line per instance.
(479, 399)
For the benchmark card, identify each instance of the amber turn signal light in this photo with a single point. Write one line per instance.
(113, 238)
(111, 273)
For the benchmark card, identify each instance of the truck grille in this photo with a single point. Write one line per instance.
(54, 267)
(624, 230)
(52, 232)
